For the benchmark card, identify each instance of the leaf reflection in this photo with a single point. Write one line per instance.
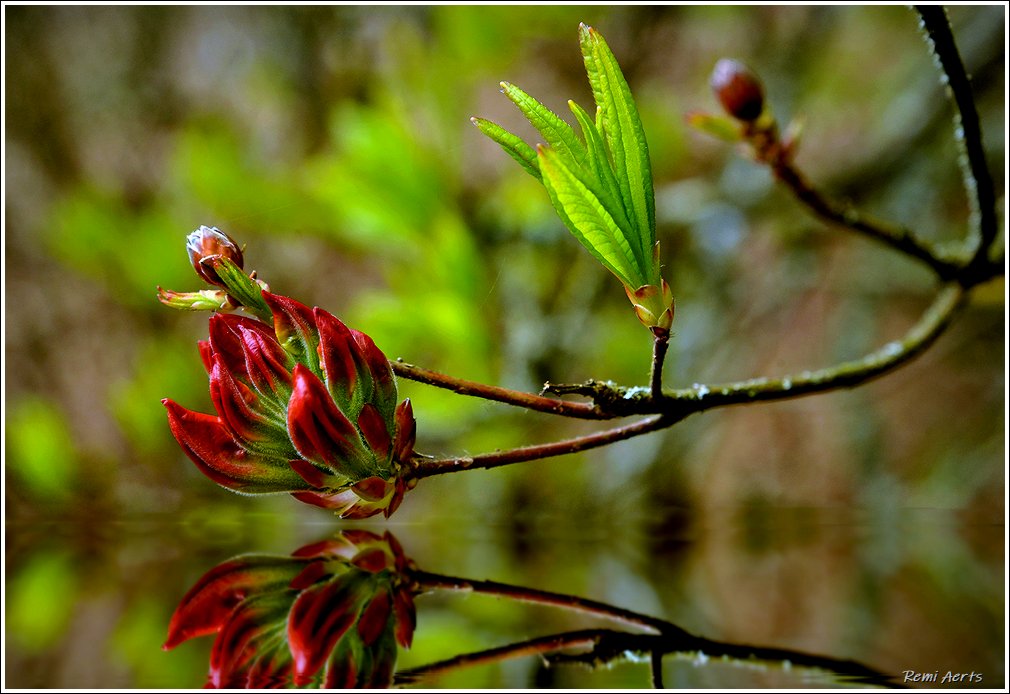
(333, 614)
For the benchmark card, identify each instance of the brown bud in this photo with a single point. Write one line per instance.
(738, 89)
(207, 242)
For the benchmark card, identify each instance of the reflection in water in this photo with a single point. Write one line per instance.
(333, 613)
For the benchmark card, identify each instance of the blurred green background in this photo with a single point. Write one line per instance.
(334, 142)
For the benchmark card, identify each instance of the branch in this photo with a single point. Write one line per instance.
(538, 403)
(844, 214)
(428, 468)
(426, 581)
(685, 401)
(977, 180)
(607, 645)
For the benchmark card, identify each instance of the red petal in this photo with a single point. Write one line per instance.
(406, 432)
(335, 547)
(205, 606)
(360, 510)
(208, 444)
(236, 406)
(318, 618)
(309, 575)
(310, 473)
(226, 339)
(270, 670)
(295, 328)
(374, 618)
(242, 635)
(342, 672)
(337, 351)
(206, 354)
(406, 617)
(372, 560)
(334, 502)
(382, 374)
(372, 489)
(373, 428)
(359, 537)
(395, 500)
(319, 430)
(266, 364)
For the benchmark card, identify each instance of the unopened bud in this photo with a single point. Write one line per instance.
(738, 89)
(209, 242)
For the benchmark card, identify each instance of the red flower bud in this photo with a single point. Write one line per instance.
(738, 89)
(207, 242)
(306, 403)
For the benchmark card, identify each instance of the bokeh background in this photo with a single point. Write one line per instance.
(334, 142)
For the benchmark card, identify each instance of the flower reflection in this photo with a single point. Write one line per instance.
(331, 614)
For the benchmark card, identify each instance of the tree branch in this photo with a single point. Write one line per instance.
(977, 180)
(428, 468)
(426, 581)
(685, 401)
(844, 214)
(606, 645)
(529, 401)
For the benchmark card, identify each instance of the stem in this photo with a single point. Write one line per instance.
(845, 375)
(536, 646)
(429, 468)
(977, 180)
(529, 401)
(656, 667)
(843, 214)
(660, 344)
(429, 581)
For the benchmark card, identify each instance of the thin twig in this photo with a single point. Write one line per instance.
(529, 401)
(661, 342)
(426, 581)
(977, 179)
(844, 214)
(428, 468)
(536, 646)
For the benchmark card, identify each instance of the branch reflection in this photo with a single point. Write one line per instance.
(334, 613)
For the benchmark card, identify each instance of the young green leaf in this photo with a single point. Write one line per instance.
(558, 133)
(588, 219)
(513, 145)
(600, 179)
(624, 133)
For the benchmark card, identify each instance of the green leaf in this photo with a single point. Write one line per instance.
(603, 182)
(240, 286)
(583, 213)
(625, 136)
(513, 145)
(559, 134)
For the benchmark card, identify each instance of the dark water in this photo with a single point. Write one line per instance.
(824, 598)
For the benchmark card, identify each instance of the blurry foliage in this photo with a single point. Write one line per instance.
(335, 143)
